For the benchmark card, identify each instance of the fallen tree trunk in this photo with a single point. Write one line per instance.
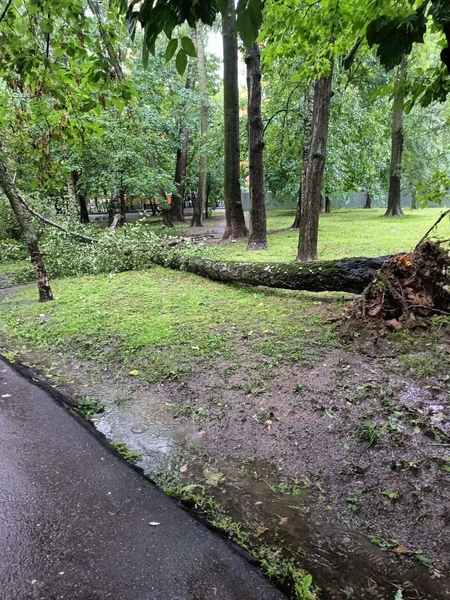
(344, 275)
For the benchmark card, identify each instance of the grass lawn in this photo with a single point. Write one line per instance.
(343, 232)
(157, 320)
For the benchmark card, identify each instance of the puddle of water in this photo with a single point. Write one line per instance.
(343, 561)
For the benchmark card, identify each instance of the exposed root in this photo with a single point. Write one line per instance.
(407, 287)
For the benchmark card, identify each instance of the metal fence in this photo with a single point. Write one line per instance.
(353, 200)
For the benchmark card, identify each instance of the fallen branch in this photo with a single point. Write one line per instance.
(80, 236)
(444, 214)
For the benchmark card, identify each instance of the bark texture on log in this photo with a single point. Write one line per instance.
(344, 275)
(258, 222)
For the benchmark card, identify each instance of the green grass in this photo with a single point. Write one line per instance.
(157, 321)
(7, 267)
(343, 232)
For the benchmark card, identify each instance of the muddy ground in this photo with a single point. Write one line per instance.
(341, 455)
(343, 447)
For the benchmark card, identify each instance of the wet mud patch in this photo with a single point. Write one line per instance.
(339, 454)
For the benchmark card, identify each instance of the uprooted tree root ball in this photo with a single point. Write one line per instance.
(408, 286)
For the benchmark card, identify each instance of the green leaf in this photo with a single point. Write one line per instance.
(188, 46)
(249, 19)
(181, 61)
(171, 49)
(348, 61)
(440, 11)
(395, 37)
(88, 105)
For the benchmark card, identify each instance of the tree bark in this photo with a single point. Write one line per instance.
(344, 275)
(394, 207)
(234, 214)
(204, 117)
(12, 193)
(79, 197)
(312, 191)
(306, 150)
(327, 204)
(166, 211)
(368, 203)
(181, 166)
(258, 221)
(123, 209)
(167, 216)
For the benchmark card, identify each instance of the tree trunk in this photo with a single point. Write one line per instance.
(327, 204)
(180, 175)
(344, 275)
(112, 206)
(12, 193)
(394, 207)
(180, 169)
(167, 216)
(368, 203)
(84, 213)
(201, 63)
(234, 214)
(123, 209)
(258, 222)
(311, 192)
(445, 52)
(166, 211)
(306, 149)
(72, 187)
(208, 193)
(414, 205)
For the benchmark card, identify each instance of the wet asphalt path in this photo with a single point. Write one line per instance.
(75, 519)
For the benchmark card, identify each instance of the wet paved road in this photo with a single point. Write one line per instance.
(75, 519)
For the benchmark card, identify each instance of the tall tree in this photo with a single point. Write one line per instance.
(307, 137)
(181, 162)
(258, 222)
(394, 207)
(11, 192)
(234, 214)
(80, 196)
(312, 193)
(201, 63)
